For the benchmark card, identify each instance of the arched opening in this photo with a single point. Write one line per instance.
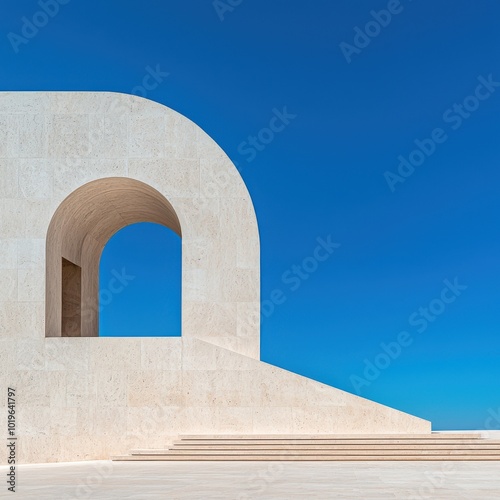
(77, 234)
(140, 283)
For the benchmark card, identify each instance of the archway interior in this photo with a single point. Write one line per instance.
(77, 234)
(140, 283)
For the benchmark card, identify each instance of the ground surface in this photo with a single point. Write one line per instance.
(249, 480)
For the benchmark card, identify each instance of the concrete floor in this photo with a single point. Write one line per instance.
(257, 480)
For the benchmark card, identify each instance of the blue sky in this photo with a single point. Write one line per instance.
(357, 109)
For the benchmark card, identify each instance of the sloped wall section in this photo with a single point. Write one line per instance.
(87, 397)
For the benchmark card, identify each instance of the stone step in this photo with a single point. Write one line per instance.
(329, 442)
(395, 447)
(295, 437)
(324, 441)
(325, 452)
(270, 447)
(301, 458)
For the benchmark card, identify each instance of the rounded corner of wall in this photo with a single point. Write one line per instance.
(133, 98)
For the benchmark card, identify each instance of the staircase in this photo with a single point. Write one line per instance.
(401, 447)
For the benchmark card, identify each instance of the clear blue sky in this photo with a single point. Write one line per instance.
(324, 173)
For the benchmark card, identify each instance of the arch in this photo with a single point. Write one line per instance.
(77, 234)
(152, 144)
